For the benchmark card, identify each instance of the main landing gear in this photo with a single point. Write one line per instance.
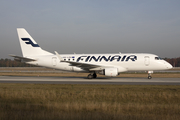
(92, 75)
(149, 74)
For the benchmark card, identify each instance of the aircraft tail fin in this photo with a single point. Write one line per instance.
(28, 45)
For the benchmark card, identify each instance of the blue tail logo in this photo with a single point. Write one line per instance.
(30, 42)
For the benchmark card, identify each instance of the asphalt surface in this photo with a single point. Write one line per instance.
(82, 80)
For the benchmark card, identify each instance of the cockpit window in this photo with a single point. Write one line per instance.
(158, 58)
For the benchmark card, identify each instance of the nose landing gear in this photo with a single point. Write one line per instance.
(149, 77)
(149, 74)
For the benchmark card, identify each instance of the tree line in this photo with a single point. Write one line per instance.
(175, 62)
(13, 63)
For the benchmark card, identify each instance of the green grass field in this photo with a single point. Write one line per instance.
(89, 102)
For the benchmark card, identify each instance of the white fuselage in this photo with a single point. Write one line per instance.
(124, 62)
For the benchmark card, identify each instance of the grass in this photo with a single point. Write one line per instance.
(87, 102)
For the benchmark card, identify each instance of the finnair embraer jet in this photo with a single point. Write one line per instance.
(105, 64)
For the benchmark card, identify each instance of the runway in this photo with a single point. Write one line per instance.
(82, 80)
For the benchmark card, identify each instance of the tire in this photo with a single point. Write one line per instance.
(149, 77)
(90, 76)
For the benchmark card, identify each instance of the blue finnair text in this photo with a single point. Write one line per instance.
(107, 58)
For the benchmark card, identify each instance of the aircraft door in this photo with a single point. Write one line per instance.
(54, 61)
(146, 60)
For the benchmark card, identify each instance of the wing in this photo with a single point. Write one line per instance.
(22, 59)
(85, 66)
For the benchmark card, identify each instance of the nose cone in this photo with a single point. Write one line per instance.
(169, 66)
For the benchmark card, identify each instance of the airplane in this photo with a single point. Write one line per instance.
(105, 64)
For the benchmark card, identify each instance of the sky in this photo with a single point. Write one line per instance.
(93, 26)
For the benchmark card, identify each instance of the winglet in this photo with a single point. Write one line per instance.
(60, 58)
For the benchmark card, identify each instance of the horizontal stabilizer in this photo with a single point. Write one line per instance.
(22, 59)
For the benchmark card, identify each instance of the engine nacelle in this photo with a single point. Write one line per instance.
(109, 72)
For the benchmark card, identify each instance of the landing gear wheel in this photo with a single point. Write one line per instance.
(149, 74)
(90, 76)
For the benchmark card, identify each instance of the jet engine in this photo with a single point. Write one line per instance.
(109, 72)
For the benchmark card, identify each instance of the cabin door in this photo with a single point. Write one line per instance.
(146, 61)
(54, 61)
